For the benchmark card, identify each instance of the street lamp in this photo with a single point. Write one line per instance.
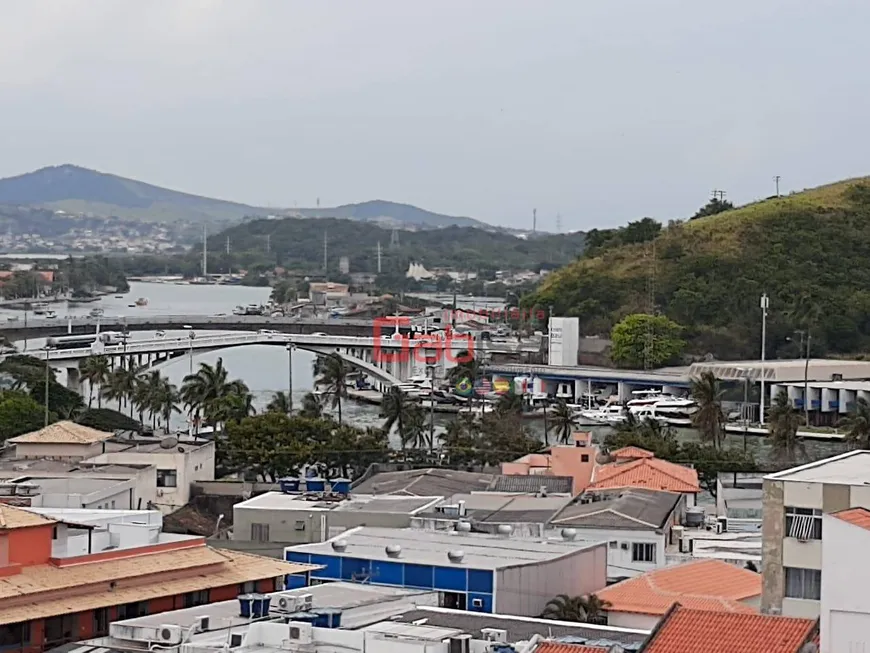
(290, 348)
(47, 371)
(744, 410)
(191, 334)
(765, 303)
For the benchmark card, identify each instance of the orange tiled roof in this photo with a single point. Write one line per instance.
(12, 517)
(703, 585)
(857, 516)
(697, 631)
(559, 647)
(631, 453)
(649, 473)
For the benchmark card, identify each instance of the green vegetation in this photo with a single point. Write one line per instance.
(810, 252)
(586, 609)
(80, 277)
(785, 421)
(641, 340)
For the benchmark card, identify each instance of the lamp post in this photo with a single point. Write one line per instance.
(47, 371)
(191, 334)
(430, 363)
(290, 348)
(807, 381)
(765, 303)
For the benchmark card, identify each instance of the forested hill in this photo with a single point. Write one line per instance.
(810, 252)
(298, 243)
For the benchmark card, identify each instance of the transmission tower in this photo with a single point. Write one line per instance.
(394, 238)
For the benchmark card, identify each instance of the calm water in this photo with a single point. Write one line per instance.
(265, 368)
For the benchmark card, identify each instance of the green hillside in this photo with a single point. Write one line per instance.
(810, 252)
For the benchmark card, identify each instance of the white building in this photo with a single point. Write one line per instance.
(564, 341)
(845, 604)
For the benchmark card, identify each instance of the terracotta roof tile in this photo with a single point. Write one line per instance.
(857, 516)
(559, 647)
(703, 584)
(650, 473)
(233, 567)
(631, 453)
(12, 517)
(62, 433)
(696, 631)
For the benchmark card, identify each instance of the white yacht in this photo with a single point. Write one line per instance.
(609, 414)
(674, 411)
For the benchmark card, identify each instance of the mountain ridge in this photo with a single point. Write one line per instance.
(75, 189)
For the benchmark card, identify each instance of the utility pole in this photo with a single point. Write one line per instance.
(765, 304)
(379, 257)
(776, 179)
(228, 245)
(268, 243)
(807, 381)
(47, 369)
(718, 194)
(325, 252)
(534, 220)
(558, 223)
(205, 252)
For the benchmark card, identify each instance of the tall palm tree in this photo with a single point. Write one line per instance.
(280, 403)
(709, 418)
(784, 422)
(395, 409)
(95, 370)
(414, 431)
(857, 425)
(165, 401)
(207, 391)
(121, 386)
(334, 378)
(562, 421)
(311, 406)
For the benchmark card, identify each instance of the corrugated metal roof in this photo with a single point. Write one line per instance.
(630, 508)
(533, 483)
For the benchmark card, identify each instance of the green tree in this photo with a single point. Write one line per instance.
(333, 377)
(272, 445)
(783, 424)
(461, 441)
(20, 414)
(642, 340)
(586, 609)
(311, 406)
(510, 402)
(396, 410)
(714, 206)
(95, 371)
(280, 403)
(209, 394)
(709, 418)
(562, 421)
(857, 425)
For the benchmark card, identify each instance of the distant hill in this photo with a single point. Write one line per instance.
(809, 251)
(80, 190)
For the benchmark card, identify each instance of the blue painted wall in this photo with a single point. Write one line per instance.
(475, 583)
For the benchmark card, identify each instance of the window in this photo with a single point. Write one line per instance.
(584, 458)
(803, 523)
(113, 504)
(101, 621)
(803, 583)
(613, 544)
(260, 532)
(476, 603)
(132, 610)
(14, 635)
(643, 552)
(193, 599)
(167, 478)
(60, 630)
(248, 588)
(300, 525)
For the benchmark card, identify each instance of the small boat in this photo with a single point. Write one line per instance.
(50, 315)
(477, 411)
(142, 301)
(610, 414)
(119, 296)
(96, 312)
(40, 308)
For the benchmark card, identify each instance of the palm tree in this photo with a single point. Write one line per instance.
(121, 386)
(784, 422)
(414, 431)
(562, 421)
(510, 402)
(207, 391)
(468, 369)
(311, 406)
(395, 408)
(280, 403)
(164, 402)
(709, 418)
(95, 370)
(587, 609)
(857, 425)
(334, 377)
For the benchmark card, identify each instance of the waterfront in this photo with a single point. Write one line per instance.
(265, 369)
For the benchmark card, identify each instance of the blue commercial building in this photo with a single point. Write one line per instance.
(470, 571)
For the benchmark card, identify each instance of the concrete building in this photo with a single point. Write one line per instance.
(577, 460)
(470, 571)
(302, 519)
(639, 468)
(70, 492)
(711, 585)
(635, 523)
(61, 441)
(327, 293)
(795, 501)
(845, 606)
(563, 340)
(354, 618)
(440, 482)
(67, 574)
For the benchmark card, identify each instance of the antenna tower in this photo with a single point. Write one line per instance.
(651, 306)
(534, 220)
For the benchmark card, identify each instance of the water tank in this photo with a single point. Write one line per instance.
(393, 550)
(245, 606)
(505, 530)
(694, 517)
(463, 527)
(289, 485)
(569, 534)
(327, 618)
(339, 545)
(315, 485)
(340, 485)
(455, 555)
(259, 605)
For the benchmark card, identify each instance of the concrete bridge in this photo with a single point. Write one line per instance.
(43, 328)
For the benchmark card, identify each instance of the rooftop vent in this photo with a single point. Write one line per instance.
(456, 555)
(339, 545)
(569, 534)
(463, 527)
(505, 530)
(393, 550)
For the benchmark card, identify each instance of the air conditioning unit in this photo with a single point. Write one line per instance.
(307, 602)
(287, 603)
(169, 634)
(236, 640)
(687, 545)
(300, 633)
(202, 624)
(494, 635)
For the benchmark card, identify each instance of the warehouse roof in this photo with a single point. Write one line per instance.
(436, 481)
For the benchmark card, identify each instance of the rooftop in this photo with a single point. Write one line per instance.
(850, 468)
(357, 503)
(686, 630)
(12, 517)
(560, 647)
(480, 550)
(649, 473)
(438, 482)
(630, 509)
(31, 594)
(496, 508)
(62, 433)
(631, 453)
(857, 516)
(703, 584)
(784, 371)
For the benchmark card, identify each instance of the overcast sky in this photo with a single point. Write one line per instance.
(601, 110)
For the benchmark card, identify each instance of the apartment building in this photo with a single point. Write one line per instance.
(795, 501)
